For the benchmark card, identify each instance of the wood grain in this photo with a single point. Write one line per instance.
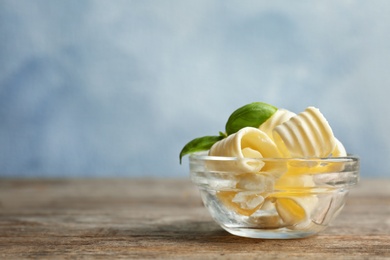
(165, 219)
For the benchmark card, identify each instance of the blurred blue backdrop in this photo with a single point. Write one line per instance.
(116, 88)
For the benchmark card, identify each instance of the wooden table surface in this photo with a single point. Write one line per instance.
(165, 219)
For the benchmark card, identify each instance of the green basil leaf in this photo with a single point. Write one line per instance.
(253, 114)
(199, 144)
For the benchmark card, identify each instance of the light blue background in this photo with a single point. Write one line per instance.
(116, 88)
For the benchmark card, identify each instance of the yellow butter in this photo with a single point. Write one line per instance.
(247, 145)
(246, 205)
(295, 210)
(307, 134)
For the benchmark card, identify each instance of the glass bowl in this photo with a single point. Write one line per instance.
(287, 198)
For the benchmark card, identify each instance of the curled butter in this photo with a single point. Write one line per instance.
(295, 210)
(307, 134)
(244, 203)
(279, 117)
(248, 144)
(253, 181)
(339, 149)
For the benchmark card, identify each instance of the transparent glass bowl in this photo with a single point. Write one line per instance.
(288, 198)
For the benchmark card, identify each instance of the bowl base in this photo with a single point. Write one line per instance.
(280, 233)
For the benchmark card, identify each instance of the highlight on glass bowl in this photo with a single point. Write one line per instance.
(272, 173)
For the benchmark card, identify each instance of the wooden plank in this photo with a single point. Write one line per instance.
(165, 219)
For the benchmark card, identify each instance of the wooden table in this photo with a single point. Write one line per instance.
(165, 219)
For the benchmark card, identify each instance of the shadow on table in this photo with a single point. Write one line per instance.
(189, 231)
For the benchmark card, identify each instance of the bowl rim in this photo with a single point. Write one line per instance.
(203, 156)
